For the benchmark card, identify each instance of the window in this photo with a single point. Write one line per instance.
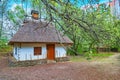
(15, 50)
(37, 50)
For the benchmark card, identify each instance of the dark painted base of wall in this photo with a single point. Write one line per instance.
(26, 63)
(14, 63)
(62, 59)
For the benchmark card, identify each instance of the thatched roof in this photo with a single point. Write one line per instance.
(39, 32)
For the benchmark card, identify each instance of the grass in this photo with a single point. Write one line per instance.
(101, 54)
(5, 50)
(78, 59)
(91, 57)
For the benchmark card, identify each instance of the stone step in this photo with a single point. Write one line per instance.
(51, 61)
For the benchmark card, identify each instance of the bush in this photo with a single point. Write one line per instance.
(3, 45)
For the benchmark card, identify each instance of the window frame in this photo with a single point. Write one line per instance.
(37, 51)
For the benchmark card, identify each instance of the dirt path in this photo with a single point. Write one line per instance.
(114, 60)
(3, 63)
(64, 71)
(110, 65)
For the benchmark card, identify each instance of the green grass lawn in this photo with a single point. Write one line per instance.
(90, 57)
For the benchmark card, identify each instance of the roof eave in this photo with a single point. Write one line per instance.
(68, 43)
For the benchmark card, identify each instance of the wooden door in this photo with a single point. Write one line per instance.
(50, 51)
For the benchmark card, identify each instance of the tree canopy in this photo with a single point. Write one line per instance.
(87, 25)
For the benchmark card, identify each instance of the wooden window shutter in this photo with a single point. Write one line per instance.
(37, 50)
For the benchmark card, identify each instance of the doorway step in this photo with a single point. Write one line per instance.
(51, 61)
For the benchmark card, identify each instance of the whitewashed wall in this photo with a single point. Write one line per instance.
(60, 51)
(27, 53)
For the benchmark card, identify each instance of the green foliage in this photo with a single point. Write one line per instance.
(95, 28)
(4, 46)
(118, 49)
(88, 29)
(17, 15)
(98, 54)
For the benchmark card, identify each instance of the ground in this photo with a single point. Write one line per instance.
(107, 69)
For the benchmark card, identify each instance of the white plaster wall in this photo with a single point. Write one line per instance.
(60, 51)
(27, 53)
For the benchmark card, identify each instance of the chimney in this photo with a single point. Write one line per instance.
(35, 14)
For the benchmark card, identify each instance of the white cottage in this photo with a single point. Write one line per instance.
(39, 40)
